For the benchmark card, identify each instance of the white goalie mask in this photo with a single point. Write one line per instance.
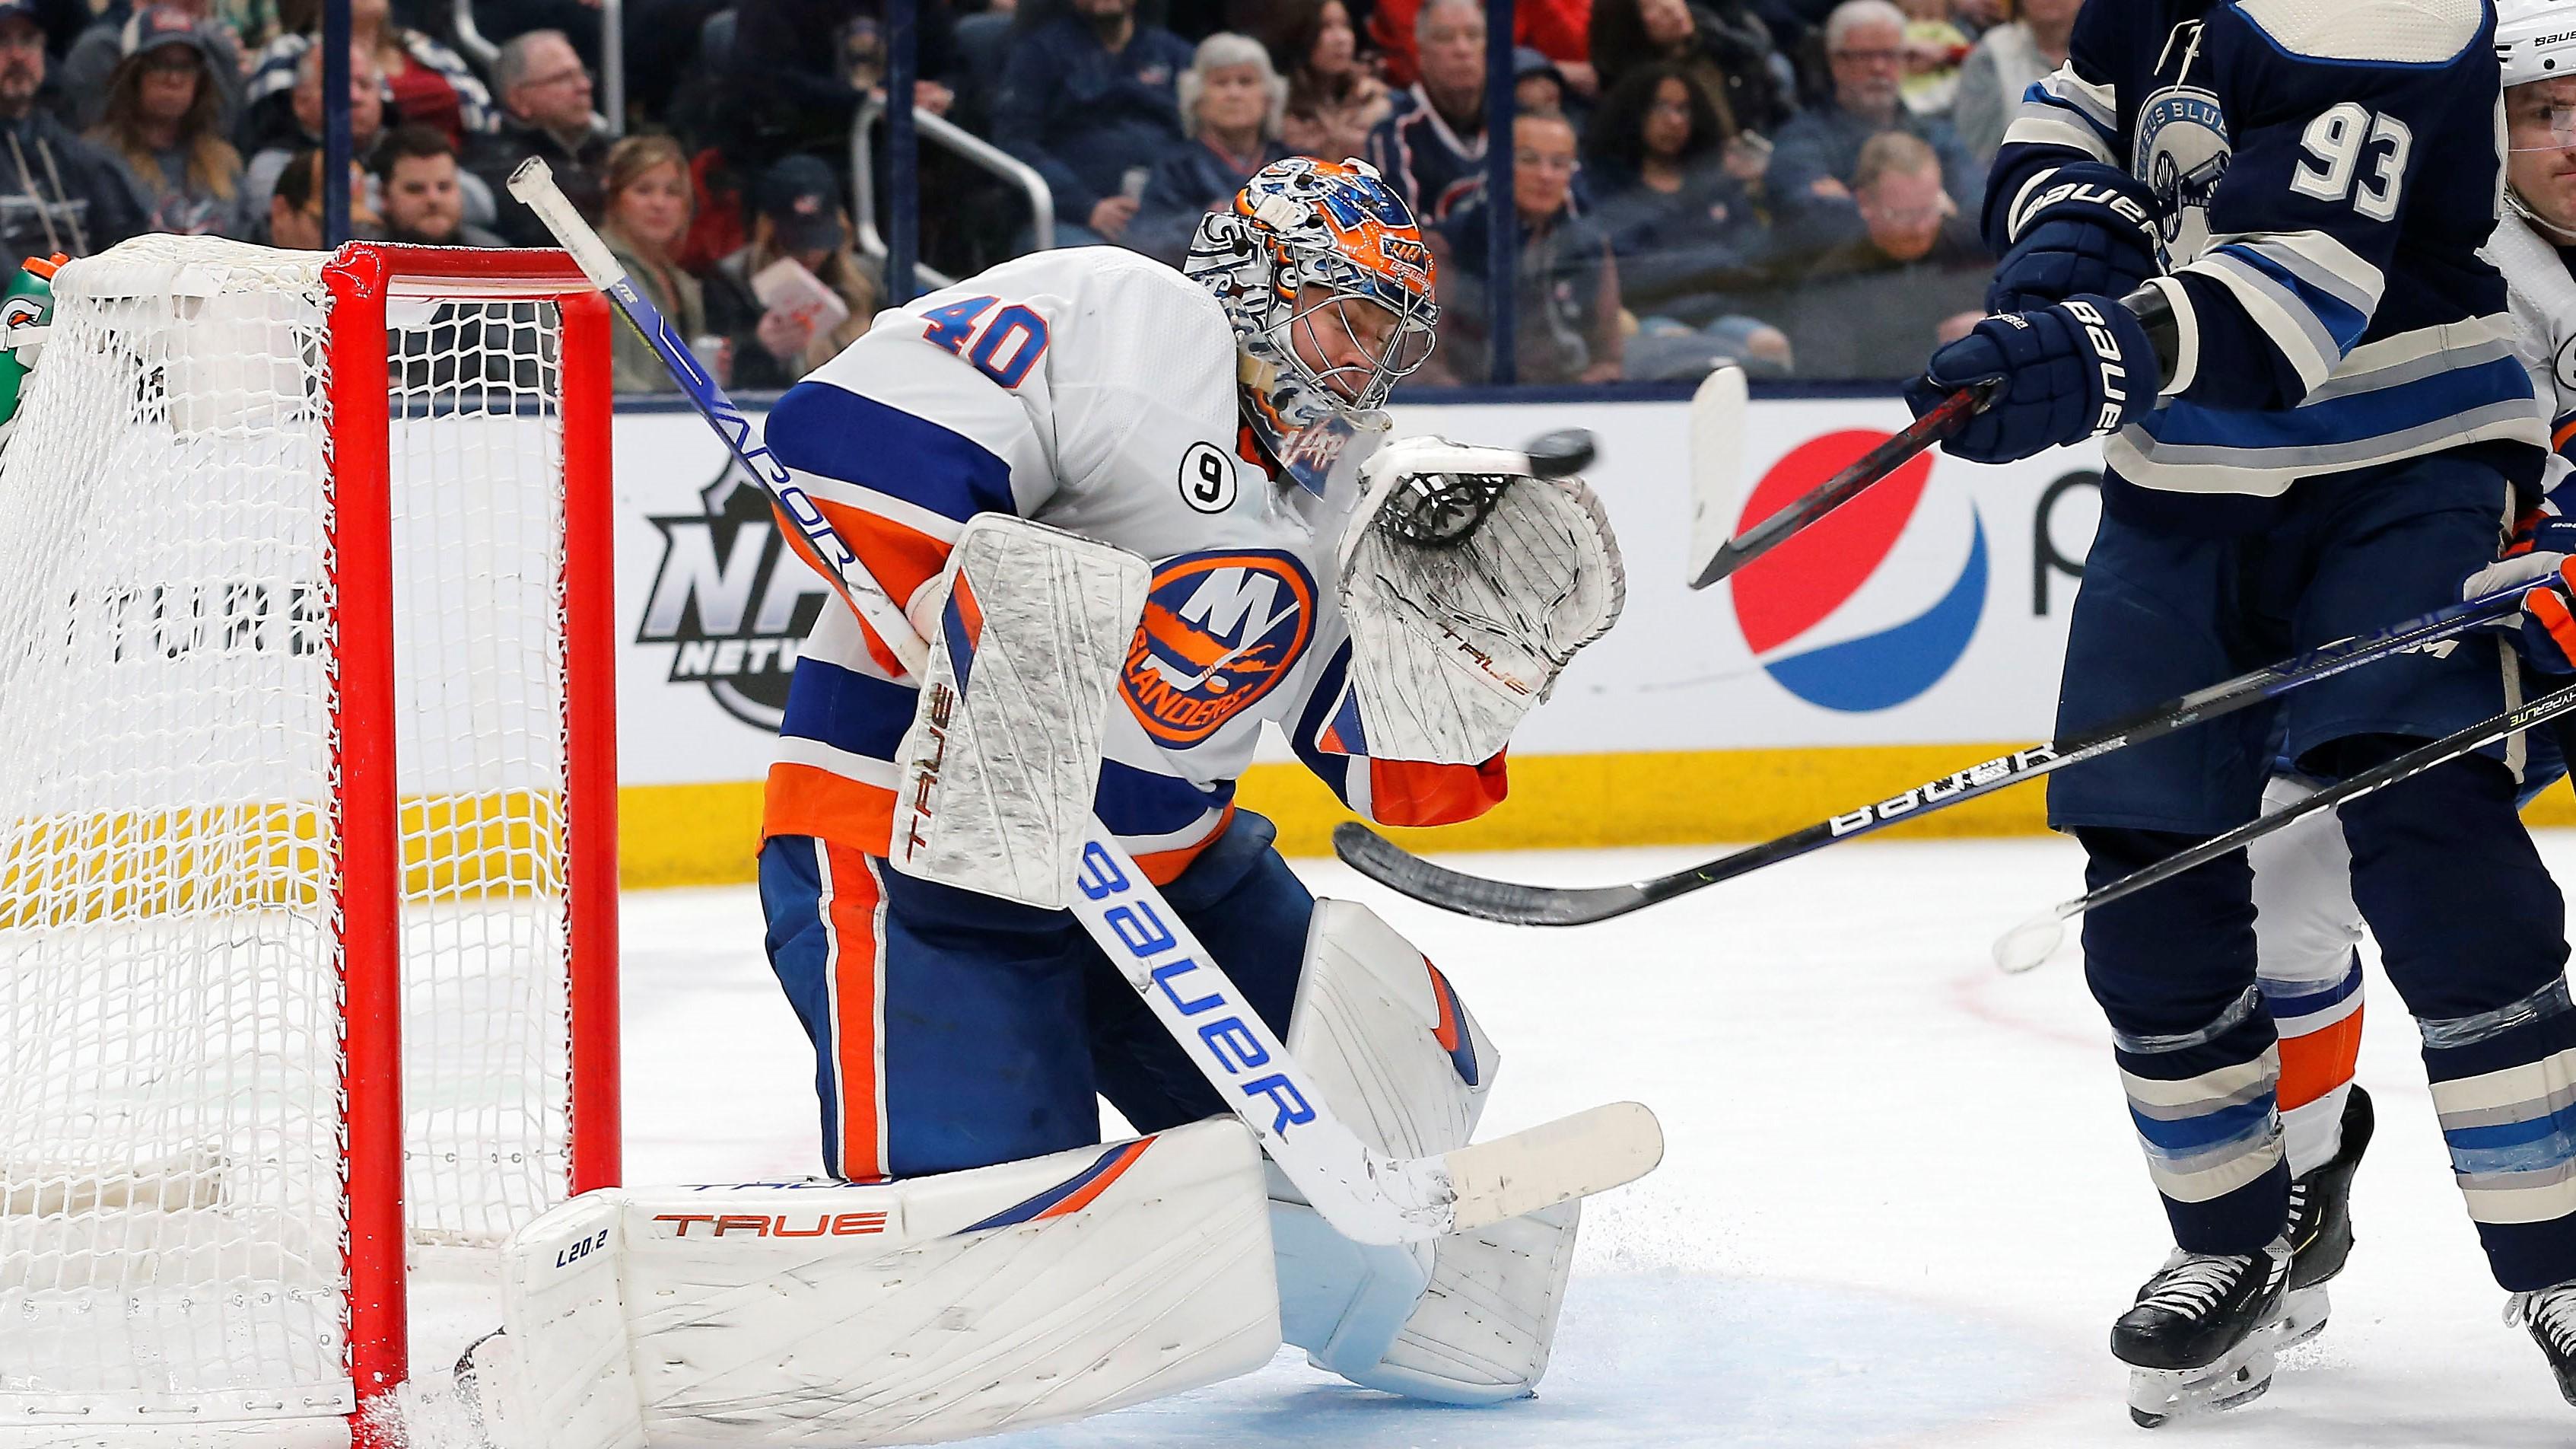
(1327, 281)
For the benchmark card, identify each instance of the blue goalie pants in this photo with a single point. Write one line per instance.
(2471, 928)
(953, 1030)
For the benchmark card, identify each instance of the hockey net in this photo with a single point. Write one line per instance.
(304, 713)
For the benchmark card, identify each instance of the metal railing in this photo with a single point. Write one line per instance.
(612, 56)
(974, 149)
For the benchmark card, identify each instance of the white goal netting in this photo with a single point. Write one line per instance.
(173, 1197)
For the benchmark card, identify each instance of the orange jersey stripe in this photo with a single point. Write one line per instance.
(887, 660)
(1163, 867)
(2566, 430)
(807, 800)
(2317, 1063)
(1409, 792)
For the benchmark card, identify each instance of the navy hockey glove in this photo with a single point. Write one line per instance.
(2067, 372)
(2085, 228)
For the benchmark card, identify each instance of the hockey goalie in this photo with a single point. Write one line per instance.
(1137, 514)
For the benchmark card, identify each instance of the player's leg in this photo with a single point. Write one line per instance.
(943, 1022)
(2471, 928)
(2307, 935)
(1466, 1319)
(2173, 967)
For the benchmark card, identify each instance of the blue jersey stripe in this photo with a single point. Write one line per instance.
(2189, 1136)
(2342, 321)
(819, 428)
(847, 710)
(2038, 94)
(1137, 802)
(2352, 418)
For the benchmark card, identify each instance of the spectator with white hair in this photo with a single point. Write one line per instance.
(545, 94)
(1809, 183)
(1231, 100)
(1432, 150)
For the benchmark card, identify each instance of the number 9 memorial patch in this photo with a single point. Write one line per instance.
(1207, 478)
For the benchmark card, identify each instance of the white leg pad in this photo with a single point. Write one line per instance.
(911, 1312)
(1466, 1319)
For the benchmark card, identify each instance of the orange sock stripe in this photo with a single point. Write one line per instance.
(855, 903)
(2317, 1063)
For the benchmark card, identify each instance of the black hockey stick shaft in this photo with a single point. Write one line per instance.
(2405, 767)
(1864, 473)
(1389, 864)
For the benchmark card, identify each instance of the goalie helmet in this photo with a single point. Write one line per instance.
(1298, 228)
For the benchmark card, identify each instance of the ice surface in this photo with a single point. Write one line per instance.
(1901, 1203)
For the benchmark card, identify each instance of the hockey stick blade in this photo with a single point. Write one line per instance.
(1513, 904)
(1591, 1151)
(1391, 865)
(2018, 950)
(1865, 473)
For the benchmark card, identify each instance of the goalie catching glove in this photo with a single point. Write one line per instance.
(1467, 584)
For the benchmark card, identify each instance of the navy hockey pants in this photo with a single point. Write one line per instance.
(954, 1030)
(2470, 926)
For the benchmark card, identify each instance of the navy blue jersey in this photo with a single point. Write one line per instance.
(2324, 173)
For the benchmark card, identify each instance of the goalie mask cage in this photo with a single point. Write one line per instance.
(307, 816)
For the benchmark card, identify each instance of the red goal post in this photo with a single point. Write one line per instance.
(308, 886)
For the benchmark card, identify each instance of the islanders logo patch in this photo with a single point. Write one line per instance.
(1221, 630)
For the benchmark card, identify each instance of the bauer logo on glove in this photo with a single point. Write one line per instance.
(2061, 374)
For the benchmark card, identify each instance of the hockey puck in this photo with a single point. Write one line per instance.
(1557, 454)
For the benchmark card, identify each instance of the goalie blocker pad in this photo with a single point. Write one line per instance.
(1465, 1319)
(1028, 627)
(909, 1312)
(1452, 643)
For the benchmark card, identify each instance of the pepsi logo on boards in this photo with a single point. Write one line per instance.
(1221, 630)
(1806, 611)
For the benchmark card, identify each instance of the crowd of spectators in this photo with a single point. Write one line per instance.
(1789, 184)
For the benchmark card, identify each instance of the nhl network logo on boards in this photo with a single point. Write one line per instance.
(735, 603)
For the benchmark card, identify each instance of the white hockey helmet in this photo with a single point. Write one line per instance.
(2535, 40)
(1332, 225)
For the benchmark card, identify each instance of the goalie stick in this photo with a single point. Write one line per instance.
(2035, 940)
(1715, 485)
(1368, 1196)
(1389, 864)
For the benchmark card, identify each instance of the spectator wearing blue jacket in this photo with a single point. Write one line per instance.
(1231, 100)
(1809, 182)
(1090, 100)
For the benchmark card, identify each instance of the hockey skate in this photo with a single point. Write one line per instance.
(2550, 1314)
(2320, 1230)
(2203, 1332)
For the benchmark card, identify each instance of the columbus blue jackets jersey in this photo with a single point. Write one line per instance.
(1092, 389)
(2324, 173)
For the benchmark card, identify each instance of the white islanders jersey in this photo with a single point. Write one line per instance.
(1094, 390)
